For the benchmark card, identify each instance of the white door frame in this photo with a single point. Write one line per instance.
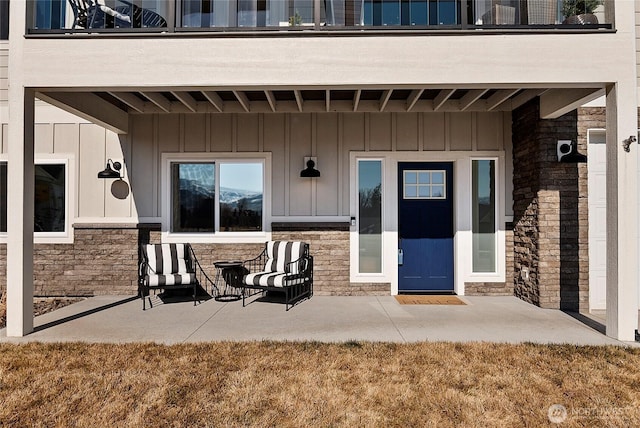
(462, 215)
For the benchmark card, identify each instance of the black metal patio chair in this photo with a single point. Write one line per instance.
(170, 267)
(283, 266)
(93, 14)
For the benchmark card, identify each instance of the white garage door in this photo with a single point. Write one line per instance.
(597, 220)
(596, 161)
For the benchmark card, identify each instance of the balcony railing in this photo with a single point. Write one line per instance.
(123, 16)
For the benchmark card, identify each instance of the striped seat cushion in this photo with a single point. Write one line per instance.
(173, 279)
(271, 279)
(281, 253)
(165, 259)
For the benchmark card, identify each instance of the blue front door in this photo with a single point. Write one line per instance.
(425, 226)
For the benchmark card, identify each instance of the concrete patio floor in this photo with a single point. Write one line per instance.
(118, 319)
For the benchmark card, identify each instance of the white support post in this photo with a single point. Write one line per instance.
(20, 184)
(20, 197)
(622, 212)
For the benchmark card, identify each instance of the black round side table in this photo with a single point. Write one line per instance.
(231, 273)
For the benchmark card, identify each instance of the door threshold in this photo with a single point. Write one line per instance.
(428, 293)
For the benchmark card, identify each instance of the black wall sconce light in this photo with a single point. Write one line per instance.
(310, 170)
(110, 172)
(567, 152)
(119, 188)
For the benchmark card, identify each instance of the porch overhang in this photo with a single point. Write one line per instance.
(109, 107)
(90, 107)
(556, 102)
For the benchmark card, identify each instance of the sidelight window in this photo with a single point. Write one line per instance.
(484, 215)
(370, 215)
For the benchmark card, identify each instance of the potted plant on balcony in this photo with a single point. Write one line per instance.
(295, 20)
(580, 11)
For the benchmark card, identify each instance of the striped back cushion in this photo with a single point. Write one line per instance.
(165, 259)
(280, 253)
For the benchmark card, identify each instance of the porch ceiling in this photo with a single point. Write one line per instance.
(108, 105)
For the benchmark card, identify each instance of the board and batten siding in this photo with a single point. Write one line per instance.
(292, 136)
(90, 146)
(4, 72)
(637, 16)
(288, 137)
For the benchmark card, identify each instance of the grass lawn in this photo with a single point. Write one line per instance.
(314, 384)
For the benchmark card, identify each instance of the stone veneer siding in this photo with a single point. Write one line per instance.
(550, 213)
(589, 118)
(331, 261)
(103, 259)
(3, 268)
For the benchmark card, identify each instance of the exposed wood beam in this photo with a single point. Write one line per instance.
(356, 99)
(471, 97)
(525, 96)
(299, 99)
(214, 99)
(271, 99)
(441, 98)
(413, 98)
(187, 100)
(243, 100)
(159, 100)
(384, 99)
(499, 97)
(130, 100)
(343, 106)
(556, 102)
(327, 99)
(90, 107)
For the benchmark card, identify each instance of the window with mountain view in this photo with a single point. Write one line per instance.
(239, 186)
(193, 195)
(241, 191)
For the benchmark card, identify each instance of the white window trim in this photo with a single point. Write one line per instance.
(430, 185)
(462, 244)
(498, 275)
(217, 237)
(356, 275)
(66, 237)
